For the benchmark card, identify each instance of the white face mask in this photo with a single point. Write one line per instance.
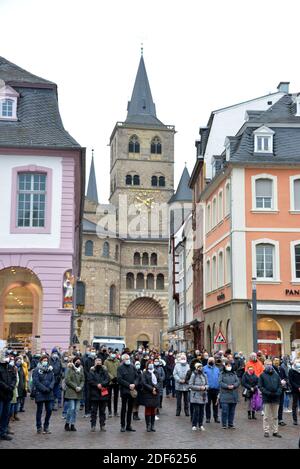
(183, 362)
(228, 368)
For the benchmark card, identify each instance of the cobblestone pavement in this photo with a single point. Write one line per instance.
(172, 433)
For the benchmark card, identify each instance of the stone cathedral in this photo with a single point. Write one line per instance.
(126, 276)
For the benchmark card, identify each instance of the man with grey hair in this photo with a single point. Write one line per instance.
(127, 378)
(271, 389)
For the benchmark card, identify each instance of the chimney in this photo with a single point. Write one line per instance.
(283, 86)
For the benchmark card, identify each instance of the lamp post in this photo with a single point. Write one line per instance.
(254, 314)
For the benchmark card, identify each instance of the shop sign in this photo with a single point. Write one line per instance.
(292, 292)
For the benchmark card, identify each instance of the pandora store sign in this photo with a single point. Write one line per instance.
(292, 292)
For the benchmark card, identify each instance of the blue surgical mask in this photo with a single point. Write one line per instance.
(138, 366)
(113, 356)
(45, 364)
(151, 367)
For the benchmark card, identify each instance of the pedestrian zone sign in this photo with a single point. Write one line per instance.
(220, 339)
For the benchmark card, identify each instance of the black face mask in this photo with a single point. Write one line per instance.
(77, 365)
(98, 367)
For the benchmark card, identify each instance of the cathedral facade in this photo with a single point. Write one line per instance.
(125, 243)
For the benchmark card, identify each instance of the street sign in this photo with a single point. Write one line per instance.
(220, 339)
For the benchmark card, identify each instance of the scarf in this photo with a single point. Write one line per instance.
(153, 376)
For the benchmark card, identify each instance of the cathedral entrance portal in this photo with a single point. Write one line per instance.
(144, 323)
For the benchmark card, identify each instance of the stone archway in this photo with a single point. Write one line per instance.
(20, 306)
(144, 318)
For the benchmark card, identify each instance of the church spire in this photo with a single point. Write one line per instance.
(92, 193)
(141, 109)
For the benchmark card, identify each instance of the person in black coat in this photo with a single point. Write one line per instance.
(127, 378)
(22, 386)
(281, 374)
(271, 389)
(169, 368)
(55, 362)
(8, 381)
(88, 362)
(250, 383)
(294, 381)
(43, 382)
(98, 380)
(139, 387)
(150, 394)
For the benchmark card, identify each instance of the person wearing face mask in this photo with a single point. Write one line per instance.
(204, 359)
(55, 362)
(103, 353)
(229, 397)
(161, 374)
(271, 389)
(294, 380)
(88, 363)
(181, 385)
(74, 384)
(112, 364)
(250, 384)
(255, 364)
(22, 384)
(43, 384)
(8, 381)
(98, 380)
(280, 372)
(150, 394)
(170, 381)
(212, 373)
(127, 378)
(139, 387)
(198, 396)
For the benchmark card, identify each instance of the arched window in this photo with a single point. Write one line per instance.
(156, 146)
(220, 206)
(229, 335)
(6, 108)
(140, 282)
(220, 269)
(137, 259)
(228, 265)
(89, 248)
(162, 181)
(134, 144)
(208, 277)
(227, 199)
(160, 282)
(145, 260)
(154, 181)
(214, 273)
(264, 261)
(130, 281)
(112, 299)
(208, 340)
(128, 180)
(153, 259)
(136, 180)
(214, 212)
(150, 282)
(106, 249)
(208, 218)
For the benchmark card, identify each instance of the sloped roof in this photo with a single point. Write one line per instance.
(183, 193)
(39, 123)
(89, 227)
(92, 193)
(141, 109)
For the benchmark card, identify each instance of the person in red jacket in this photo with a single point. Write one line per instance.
(255, 364)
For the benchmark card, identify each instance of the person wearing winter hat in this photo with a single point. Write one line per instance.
(150, 394)
(43, 382)
(8, 381)
(181, 385)
(98, 380)
(198, 396)
(271, 389)
(74, 382)
(55, 362)
(229, 384)
(294, 381)
(250, 383)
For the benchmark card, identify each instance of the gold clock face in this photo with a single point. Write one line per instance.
(143, 198)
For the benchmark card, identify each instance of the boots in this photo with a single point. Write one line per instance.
(67, 427)
(153, 423)
(136, 416)
(148, 424)
(249, 415)
(253, 415)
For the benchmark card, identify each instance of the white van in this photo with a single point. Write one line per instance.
(109, 342)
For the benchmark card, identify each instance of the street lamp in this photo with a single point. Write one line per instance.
(254, 314)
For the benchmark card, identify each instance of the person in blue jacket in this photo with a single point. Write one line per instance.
(213, 374)
(43, 384)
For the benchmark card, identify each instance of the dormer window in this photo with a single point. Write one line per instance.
(8, 103)
(263, 140)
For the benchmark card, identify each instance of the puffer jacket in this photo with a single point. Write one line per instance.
(95, 377)
(8, 380)
(179, 373)
(213, 375)
(229, 396)
(74, 379)
(197, 396)
(112, 368)
(43, 383)
(250, 382)
(57, 369)
(270, 387)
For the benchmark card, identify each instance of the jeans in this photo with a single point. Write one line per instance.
(39, 412)
(72, 411)
(65, 409)
(57, 394)
(296, 402)
(4, 416)
(13, 409)
(126, 410)
(170, 386)
(212, 395)
(185, 395)
(287, 400)
(198, 415)
(115, 388)
(21, 403)
(95, 405)
(228, 413)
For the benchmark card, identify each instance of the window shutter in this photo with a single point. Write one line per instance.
(264, 188)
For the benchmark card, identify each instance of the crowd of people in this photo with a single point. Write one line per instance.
(205, 386)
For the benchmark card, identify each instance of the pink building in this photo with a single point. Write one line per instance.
(40, 215)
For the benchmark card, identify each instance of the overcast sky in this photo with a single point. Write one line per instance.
(200, 56)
